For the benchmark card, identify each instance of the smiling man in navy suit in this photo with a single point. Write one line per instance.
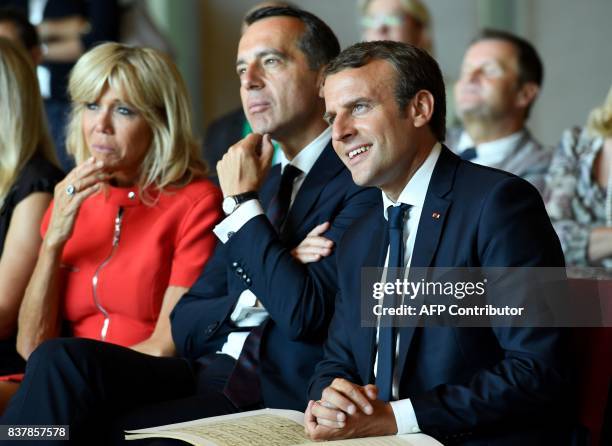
(491, 385)
(250, 331)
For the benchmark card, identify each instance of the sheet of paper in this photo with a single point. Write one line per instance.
(265, 427)
(393, 440)
(256, 428)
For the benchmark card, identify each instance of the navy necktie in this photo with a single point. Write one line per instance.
(279, 205)
(468, 154)
(243, 388)
(387, 332)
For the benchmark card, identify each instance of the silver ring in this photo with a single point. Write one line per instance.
(70, 190)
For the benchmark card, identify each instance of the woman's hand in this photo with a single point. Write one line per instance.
(80, 183)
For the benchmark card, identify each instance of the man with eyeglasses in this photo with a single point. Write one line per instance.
(405, 21)
(500, 80)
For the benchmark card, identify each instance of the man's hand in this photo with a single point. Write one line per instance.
(349, 411)
(245, 165)
(314, 247)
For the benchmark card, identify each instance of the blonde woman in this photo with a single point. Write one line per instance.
(579, 190)
(130, 228)
(28, 174)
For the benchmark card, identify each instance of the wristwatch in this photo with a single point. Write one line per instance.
(232, 202)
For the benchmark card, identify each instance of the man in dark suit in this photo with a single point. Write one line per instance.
(233, 125)
(251, 284)
(490, 385)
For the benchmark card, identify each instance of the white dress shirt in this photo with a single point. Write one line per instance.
(246, 313)
(490, 153)
(413, 194)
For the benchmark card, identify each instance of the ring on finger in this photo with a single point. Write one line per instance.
(71, 190)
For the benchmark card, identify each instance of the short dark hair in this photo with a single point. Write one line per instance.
(27, 32)
(416, 71)
(530, 67)
(318, 43)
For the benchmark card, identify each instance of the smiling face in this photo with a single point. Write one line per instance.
(279, 91)
(488, 86)
(374, 138)
(116, 133)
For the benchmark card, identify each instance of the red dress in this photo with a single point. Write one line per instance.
(124, 254)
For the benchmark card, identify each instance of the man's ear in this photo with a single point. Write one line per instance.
(321, 80)
(527, 94)
(421, 108)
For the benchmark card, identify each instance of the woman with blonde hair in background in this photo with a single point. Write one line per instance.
(130, 227)
(579, 190)
(28, 174)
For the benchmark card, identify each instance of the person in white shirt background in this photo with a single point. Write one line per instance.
(501, 77)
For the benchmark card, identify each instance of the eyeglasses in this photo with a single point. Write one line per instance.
(377, 21)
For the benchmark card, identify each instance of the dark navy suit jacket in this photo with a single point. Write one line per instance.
(221, 134)
(462, 382)
(299, 298)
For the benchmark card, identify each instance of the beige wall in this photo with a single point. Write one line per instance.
(573, 38)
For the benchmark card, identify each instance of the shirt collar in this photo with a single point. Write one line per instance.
(306, 158)
(494, 151)
(415, 191)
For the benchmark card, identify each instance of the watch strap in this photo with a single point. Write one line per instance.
(241, 198)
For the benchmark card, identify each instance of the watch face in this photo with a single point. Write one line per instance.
(229, 204)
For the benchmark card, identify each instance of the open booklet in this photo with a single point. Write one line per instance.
(266, 427)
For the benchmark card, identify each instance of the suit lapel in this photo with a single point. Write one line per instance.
(431, 223)
(375, 257)
(327, 166)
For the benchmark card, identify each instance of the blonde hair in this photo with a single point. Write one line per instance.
(23, 126)
(150, 82)
(600, 119)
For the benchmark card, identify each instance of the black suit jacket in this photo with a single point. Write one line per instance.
(299, 298)
(462, 382)
(221, 134)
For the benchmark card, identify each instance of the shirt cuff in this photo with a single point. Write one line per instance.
(405, 418)
(237, 219)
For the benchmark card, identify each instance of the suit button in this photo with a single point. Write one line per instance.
(234, 265)
(239, 271)
(211, 328)
(248, 280)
